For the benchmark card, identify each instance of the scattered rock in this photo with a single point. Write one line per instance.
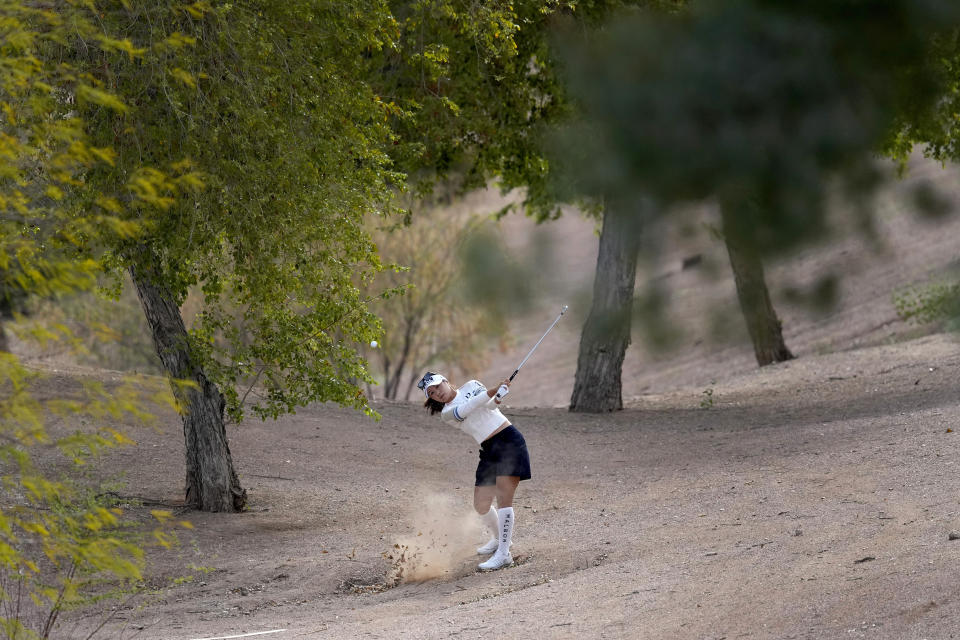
(691, 261)
(954, 535)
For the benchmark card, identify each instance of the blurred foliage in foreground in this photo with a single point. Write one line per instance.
(63, 543)
(770, 109)
(108, 329)
(60, 545)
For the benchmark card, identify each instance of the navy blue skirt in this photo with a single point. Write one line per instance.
(505, 454)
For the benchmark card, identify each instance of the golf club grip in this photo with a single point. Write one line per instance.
(498, 396)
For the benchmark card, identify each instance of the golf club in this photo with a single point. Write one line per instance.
(517, 370)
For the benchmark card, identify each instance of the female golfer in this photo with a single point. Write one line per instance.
(504, 460)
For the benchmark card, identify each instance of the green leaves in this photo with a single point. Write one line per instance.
(479, 83)
(935, 126)
(238, 148)
(286, 144)
(755, 104)
(55, 536)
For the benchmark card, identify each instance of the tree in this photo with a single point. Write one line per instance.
(285, 124)
(44, 151)
(930, 123)
(269, 108)
(284, 113)
(760, 106)
(478, 85)
(606, 333)
(746, 261)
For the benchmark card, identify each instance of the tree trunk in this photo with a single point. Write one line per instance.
(211, 482)
(414, 378)
(393, 375)
(606, 333)
(6, 313)
(762, 322)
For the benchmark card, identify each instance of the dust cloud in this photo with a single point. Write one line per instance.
(444, 533)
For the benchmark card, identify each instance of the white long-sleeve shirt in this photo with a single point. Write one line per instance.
(473, 411)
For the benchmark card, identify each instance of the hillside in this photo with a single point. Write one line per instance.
(908, 249)
(811, 499)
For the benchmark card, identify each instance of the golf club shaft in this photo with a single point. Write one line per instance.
(517, 370)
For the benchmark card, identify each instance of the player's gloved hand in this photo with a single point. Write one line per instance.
(502, 391)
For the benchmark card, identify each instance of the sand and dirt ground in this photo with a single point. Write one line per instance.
(810, 499)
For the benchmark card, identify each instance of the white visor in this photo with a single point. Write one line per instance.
(435, 379)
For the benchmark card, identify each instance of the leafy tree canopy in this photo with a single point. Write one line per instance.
(760, 104)
(479, 84)
(265, 106)
(246, 141)
(287, 122)
(49, 243)
(932, 124)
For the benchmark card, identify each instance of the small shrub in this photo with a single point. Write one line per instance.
(925, 304)
(706, 402)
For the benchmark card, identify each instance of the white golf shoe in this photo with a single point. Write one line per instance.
(488, 548)
(497, 561)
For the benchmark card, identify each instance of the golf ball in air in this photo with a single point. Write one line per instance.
(373, 343)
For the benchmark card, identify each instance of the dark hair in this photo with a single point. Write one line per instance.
(435, 406)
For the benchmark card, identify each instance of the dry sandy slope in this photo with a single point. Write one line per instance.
(751, 518)
(743, 520)
(702, 300)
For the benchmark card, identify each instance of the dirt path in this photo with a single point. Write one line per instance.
(811, 500)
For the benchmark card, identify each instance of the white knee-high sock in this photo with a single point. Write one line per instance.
(492, 522)
(506, 518)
